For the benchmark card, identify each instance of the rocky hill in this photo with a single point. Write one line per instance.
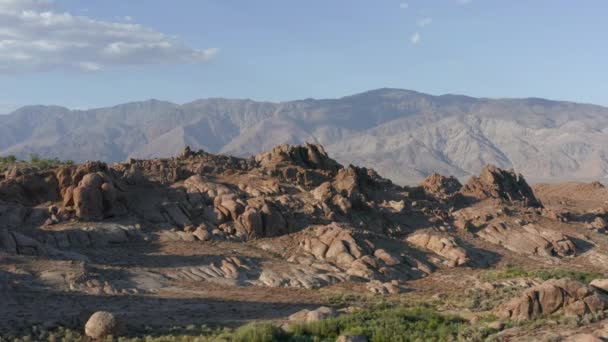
(402, 134)
(291, 236)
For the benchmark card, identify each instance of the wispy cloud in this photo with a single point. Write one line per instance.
(422, 22)
(404, 5)
(464, 2)
(415, 38)
(36, 36)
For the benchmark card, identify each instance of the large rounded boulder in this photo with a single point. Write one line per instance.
(101, 325)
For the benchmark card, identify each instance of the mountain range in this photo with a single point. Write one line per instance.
(404, 135)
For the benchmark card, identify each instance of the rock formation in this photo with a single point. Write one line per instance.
(291, 219)
(570, 296)
(505, 185)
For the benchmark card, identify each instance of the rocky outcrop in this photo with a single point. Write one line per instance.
(497, 183)
(569, 296)
(308, 156)
(96, 197)
(308, 165)
(30, 188)
(441, 186)
(355, 254)
(529, 239)
(445, 246)
(55, 243)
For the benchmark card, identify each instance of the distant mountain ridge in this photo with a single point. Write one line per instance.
(403, 134)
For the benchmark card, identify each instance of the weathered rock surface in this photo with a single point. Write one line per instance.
(101, 325)
(600, 284)
(444, 246)
(441, 186)
(308, 164)
(570, 296)
(529, 239)
(313, 315)
(291, 219)
(496, 183)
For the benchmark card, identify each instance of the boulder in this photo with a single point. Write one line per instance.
(387, 257)
(570, 296)
(101, 325)
(308, 316)
(252, 221)
(96, 197)
(599, 223)
(600, 284)
(273, 222)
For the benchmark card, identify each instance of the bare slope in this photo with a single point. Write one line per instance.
(403, 134)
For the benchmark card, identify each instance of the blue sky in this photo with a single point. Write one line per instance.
(82, 53)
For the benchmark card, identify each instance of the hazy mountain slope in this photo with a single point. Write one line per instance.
(403, 134)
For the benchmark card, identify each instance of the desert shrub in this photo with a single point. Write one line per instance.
(8, 160)
(383, 323)
(259, 332)
(35, 162)
(392, 324)
(478, 300)
(511, 272)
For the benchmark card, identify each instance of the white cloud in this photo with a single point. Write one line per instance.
(36, 36)
(415, 38)
(422, 22)
(404, 5)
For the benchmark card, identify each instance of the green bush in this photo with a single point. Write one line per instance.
(380, 324)
(259, 332)
(392, 324)
(511, 272)
(35, 162)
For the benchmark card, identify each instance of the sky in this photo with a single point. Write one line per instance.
(84, 54)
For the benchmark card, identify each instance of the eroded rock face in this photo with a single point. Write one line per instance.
(30, 188)
(600, 284)
(496, 183)
(310, 156)
(529, 239)
(96, 197)
(445, 246)
(356, 255)
(441, 186)
(308, 165)
(570, 296)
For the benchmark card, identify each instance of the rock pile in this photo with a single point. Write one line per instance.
(441, 186)
(571, 296)
(496, 183)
